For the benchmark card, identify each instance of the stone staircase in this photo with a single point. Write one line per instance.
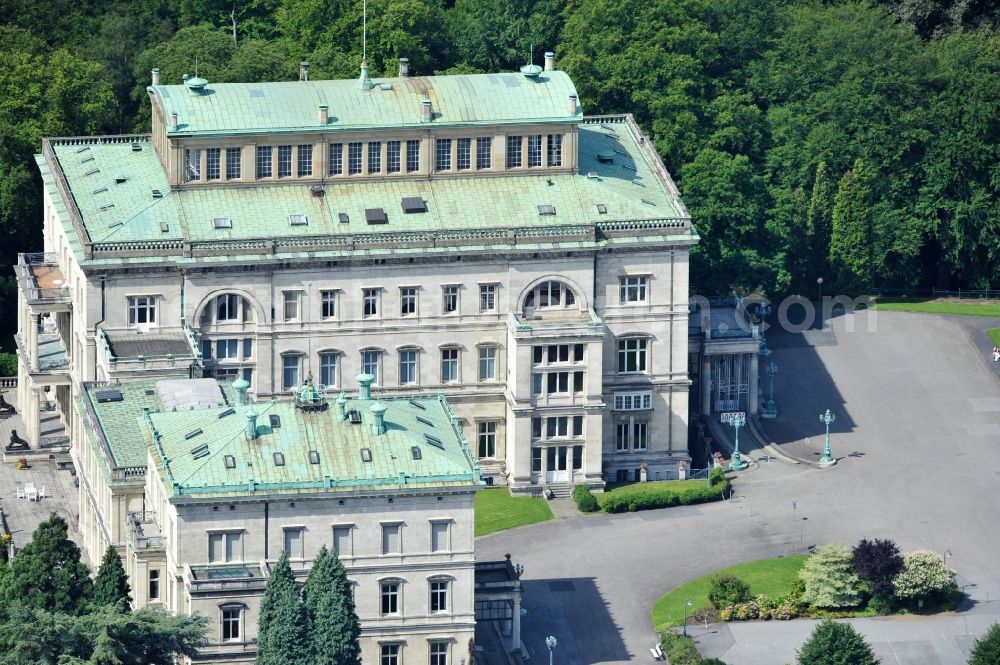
(558, 490)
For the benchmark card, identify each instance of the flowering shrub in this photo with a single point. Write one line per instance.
(924, 574)
(763, 607)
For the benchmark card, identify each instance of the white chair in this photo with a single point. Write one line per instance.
(20, 492)
(41, 493)
(31, 494)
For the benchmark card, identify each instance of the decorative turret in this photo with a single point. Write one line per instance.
(241, 386)
(378, 412)
(364, 385)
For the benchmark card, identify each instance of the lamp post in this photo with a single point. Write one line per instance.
(771, 410)
(687, 604)
(764, 311)
(551, 643)
(946, 556)
(738, 420)
(826, 419)
(819, 282)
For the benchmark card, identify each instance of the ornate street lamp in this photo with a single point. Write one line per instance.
(771, 409)
(819, 282)
(826, 419)
(688, 603)
(551, 643)
(738, 420)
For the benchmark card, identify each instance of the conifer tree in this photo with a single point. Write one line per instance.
(819, 221)
(334, 625)
(851, 239)
(833, 643)
(282, 629)
(829, 579)
(986, 650)
(47, 573)
(111, 584)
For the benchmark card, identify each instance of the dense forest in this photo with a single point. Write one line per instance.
(857, 141)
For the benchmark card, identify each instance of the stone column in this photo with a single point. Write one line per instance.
(515, 633)
(31, 341)
(706, 385)
(754, 384)
(30, 412)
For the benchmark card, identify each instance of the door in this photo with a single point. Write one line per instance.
(555, 467)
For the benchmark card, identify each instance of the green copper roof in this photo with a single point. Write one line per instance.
(209, 453)
(627, 189)
(228, 108)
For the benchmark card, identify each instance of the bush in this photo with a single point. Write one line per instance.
(8, 364)
(585, 499)
(924, 577)
(664, 497)
(834, 643)
(711, 661)
(877, 562)
(830, 581)
(725, 590)
(986, 650)
(679, 650)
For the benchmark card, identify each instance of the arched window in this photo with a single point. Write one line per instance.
(227, 308)
(549, 295)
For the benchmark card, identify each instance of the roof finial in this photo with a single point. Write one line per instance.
(364, 83)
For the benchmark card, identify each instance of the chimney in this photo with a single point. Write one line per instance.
(174, 122)
(324, 114)
(364, 83)
(378, 412)
(571, 105)
(404, 67)
(251, 424)
(342, 407)
(156, 76)
(241, 386)
(364, 385)
(550, 61)
(426, 111)
(185, 78)
(303, 71)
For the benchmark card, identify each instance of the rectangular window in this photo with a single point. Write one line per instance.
(305, 159)
(536, 383)
(392, 155)
(488, 439)
(264, 165)
(233, 157)
(342, 540)
(407, 367)
(536, 460)
(535, 150)
(577, 458)
(226, 349)
(390, 538)
(450, 299)
(336, 159)
(293, 543)
(369, 363)
(213, 163)
(390, 597)
(375, 157)
(284, 161)
(449, 365)
(439, 536)
(408, 301)
(514, 151)
(192, 164)
(578, 382)
(227, 307)
(487, 298)
(639, 436)
(484, 152)
(389, 654)
(622, 431)
(439, 596)
(464, 156)
(577, 426)
(154, 585)
(487, 363)
(369, 303)
(555, 150)
(224, 547)
(439, 653)
(291, 305)
(557, 383)
(231, 624)
(556, 427)
(632, 355)
(290, 371)
(536, 428)
(328, 369)
(353, 158)
(636, 401)
(142, 310)
(412, 155)
(328, 304)
(442, 155)
(632, 289)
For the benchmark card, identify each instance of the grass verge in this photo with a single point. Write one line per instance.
(497, 510)
(676, 485)
(994, 335)
(939, 306)
(768, 576)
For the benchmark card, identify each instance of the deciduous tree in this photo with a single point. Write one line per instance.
(877, 562)
(829, 580)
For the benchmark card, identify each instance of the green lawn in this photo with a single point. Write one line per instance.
(497, 510)
(994, 335)
(940, 306)
(768, 576)
(677, 485)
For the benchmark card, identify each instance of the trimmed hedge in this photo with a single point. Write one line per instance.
(665, 497)
(585, 499)
(679, 650)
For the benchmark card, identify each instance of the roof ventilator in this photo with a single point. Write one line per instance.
(413, 204)
(376, 216)
(546, 209)
(222, 222)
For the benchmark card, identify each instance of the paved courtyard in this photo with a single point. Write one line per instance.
(917, 437)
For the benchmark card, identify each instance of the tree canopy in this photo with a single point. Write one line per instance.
(282, 629)
(334, 627)
(47, 574)
(833, 643)
(111, 584)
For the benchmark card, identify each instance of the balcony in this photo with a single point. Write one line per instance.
(565, 324)
(225, 577)
(143, 533)
(41, 281)
(49, 357)
(134, 353)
